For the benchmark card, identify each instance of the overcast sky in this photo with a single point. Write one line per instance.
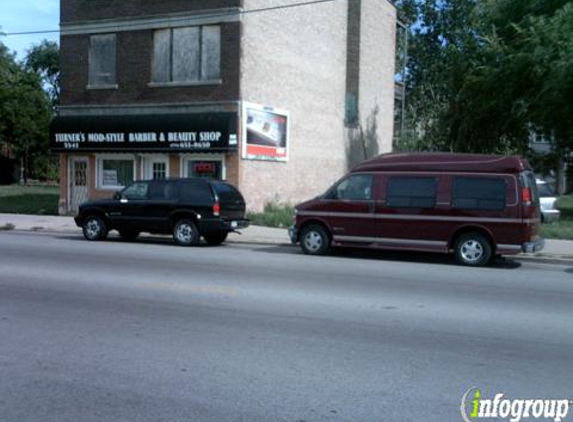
(28, 15)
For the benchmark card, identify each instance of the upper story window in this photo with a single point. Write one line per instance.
(187, 55)
(102, 61)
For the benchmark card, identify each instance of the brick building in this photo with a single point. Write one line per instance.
(280, 101)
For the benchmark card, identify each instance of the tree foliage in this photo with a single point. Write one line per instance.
(44, 59)
(481, 73)
(25, 113)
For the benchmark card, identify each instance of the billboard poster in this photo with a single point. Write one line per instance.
(265, 133)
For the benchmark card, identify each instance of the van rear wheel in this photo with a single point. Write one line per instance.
(314, 240)
(473, 249)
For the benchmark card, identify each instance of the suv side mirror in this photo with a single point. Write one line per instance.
(117, 196)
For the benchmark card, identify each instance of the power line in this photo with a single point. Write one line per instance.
(167, 20)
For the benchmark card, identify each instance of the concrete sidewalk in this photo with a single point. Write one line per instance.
(554, 249)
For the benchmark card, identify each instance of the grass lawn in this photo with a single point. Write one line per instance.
(563, 229)
(33, 199)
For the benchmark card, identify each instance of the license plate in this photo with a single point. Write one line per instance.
(234, 224)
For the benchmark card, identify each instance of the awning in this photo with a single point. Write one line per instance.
(204, 132)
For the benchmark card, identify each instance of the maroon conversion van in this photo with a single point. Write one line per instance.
(476, 206)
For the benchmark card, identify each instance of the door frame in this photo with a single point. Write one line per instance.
(71, 177)
(147, 161)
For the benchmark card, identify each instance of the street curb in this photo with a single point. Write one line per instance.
(551, 259)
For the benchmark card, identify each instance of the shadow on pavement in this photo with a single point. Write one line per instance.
(403, 256)
(350, 253)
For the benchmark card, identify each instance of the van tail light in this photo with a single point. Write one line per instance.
(526, 195)
(216, 209)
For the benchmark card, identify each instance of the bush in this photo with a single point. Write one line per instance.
(273, 215)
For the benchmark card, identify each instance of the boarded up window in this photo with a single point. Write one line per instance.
(102, 59)
(162, 55)
(211, 52)
(187, 54)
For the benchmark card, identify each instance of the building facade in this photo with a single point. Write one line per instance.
(277, 97)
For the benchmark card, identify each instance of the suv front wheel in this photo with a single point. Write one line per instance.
(185, 233)
(94, 228)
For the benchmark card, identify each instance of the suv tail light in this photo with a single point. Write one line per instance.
(526, 195)
(216, 209)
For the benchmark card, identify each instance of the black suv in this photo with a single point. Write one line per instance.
(188, 208)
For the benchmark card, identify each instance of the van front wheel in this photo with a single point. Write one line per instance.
(473, 249)
(314, 240)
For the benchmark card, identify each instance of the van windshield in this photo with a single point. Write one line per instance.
(528, 181)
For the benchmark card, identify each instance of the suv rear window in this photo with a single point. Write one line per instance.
(196, 191)
(479, 193)
(226, 192)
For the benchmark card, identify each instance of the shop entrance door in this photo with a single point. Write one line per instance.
(78, 183)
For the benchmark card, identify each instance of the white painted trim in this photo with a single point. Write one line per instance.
(410, 217)
(184, 158)
(110, 156)
(390, 240)
(147, 161)
(176, 84)
(71, 177)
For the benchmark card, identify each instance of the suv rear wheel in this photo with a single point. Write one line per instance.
(215, 238)
(94, 228)
(314, 240)
(473, 249)
(185, 233)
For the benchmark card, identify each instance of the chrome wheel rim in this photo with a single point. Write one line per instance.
(93, 228)
(472, 251)
(313, 241)
(184, 233)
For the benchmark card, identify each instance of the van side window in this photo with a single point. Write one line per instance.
(412, 192)
(354, 188)
(479, 193)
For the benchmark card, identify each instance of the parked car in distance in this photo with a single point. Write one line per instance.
(187, 208)
(476, 206)
(547, 201)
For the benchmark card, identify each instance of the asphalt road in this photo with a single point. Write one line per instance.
(148, 331)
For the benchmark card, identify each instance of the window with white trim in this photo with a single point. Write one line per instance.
(115, 172)
(184, 55)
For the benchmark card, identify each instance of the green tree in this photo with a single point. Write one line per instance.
(25, 113)
(480, 73)
(44, 59)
